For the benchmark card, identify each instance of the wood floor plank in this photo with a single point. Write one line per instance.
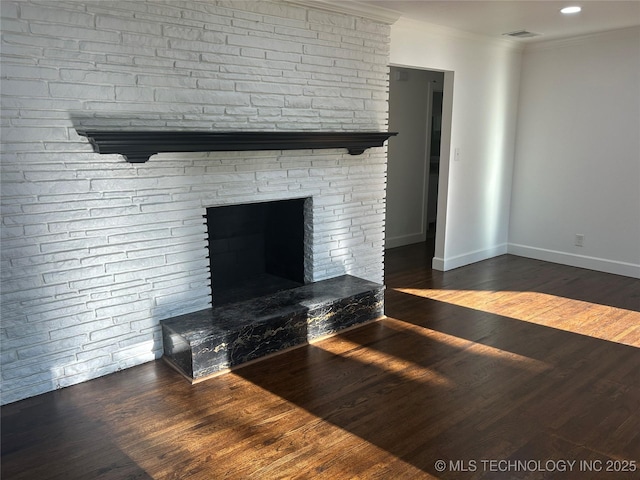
(510, 359)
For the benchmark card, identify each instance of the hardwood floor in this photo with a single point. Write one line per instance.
(508, 368)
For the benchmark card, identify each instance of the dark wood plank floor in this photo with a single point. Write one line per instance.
(508, 368)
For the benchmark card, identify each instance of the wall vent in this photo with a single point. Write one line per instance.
(521, 34)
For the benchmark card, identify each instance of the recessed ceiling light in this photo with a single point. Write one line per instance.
(570, 10)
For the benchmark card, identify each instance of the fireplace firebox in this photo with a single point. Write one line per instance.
(255, 249)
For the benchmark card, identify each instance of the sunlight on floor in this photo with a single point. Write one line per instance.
(469, 346)
(594, 320)
(390, 363)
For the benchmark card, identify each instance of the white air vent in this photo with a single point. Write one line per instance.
(521, 34)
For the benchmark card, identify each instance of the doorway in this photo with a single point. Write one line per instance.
(415, 111)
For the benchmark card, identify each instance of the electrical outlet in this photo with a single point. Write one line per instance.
(579, 240)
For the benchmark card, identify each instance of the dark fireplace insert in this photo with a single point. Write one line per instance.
(255, 249)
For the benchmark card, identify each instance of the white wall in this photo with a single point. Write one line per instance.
(577, 165)
(96, 251)
(474, 193)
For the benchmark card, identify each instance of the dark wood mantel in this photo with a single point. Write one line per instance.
(138, 146)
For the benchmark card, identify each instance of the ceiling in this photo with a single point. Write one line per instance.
(494, 18)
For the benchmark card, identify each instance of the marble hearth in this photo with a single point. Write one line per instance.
(216, 339)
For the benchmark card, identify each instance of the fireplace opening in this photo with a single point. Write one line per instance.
(255, 249)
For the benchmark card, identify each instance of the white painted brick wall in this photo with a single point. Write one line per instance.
(96, 251)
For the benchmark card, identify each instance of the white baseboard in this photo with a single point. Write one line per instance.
(581, 261)
(404, 240)
(444, 264)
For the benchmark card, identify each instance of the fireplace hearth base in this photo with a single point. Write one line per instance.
(214, 340)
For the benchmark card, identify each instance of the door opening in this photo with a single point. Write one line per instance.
(415, 111)
(434, 165)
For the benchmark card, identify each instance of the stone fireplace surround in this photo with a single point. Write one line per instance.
(211, 341)
(236, 223)
(260, 304)
(96, 251)
(259, 254)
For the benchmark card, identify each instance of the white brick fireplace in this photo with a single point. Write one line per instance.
(95, 250)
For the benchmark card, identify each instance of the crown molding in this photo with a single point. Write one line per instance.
(378, 14)
(579, 39)
(454, 33)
